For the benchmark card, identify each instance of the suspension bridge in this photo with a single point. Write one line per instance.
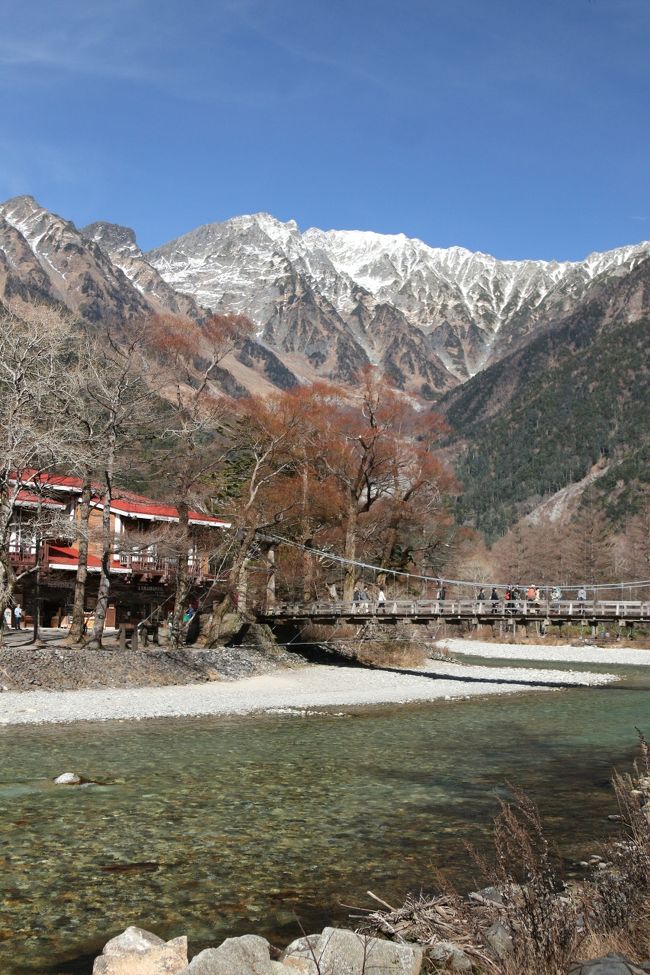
(387, 596)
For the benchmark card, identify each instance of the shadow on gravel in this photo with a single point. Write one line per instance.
(467, 679)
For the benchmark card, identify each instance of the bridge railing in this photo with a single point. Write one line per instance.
(593, 609)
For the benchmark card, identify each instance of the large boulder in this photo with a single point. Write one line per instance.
(301, 956)
(139, 952)
(294, 966)
(248, 955)
(346, 953)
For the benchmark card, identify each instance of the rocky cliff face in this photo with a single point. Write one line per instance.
(120, 247)
(100, 274)
(47, 258)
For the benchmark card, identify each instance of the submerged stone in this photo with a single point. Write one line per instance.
(68, 778)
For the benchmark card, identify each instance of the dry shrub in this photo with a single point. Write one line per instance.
(323, 633)
(619, 897)
(543, 920)
(351, 641)
(397, 653)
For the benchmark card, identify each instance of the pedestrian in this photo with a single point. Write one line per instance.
(582, 599)
(18, 615)
(481, 595)
(381, 601)
(530, 593)
(7, 617)
(494, 596)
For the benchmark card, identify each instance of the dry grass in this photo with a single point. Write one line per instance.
(353, 642)
(397, 653)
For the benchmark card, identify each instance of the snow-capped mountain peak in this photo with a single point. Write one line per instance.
(467, 308)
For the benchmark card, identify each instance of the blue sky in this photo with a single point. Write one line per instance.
(514, 127)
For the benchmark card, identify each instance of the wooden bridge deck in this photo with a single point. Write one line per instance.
(457, 611)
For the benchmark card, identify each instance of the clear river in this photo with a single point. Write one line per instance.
(218, 827)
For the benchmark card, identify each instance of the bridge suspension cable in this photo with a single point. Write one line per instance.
(467, 583)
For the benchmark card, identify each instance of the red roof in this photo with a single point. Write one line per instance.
(165, 512)
(124, 502)
(29, 499)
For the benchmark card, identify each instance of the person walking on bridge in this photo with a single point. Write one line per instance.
(495, 599)
(381, 601)
(582, 599)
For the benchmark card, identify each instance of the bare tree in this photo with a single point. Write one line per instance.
(190, 432)
(32, 436)
(120, 396)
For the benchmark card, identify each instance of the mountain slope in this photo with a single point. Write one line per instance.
(73, 270)
(575, 395)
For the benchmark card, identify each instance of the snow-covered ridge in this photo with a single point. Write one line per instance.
(460, 300)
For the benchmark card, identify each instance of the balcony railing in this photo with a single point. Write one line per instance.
(23, 558)
(147, 563)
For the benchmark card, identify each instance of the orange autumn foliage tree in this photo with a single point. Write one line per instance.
(191, 431)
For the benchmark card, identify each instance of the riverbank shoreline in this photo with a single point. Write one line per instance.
(565, 653)
(299, 689)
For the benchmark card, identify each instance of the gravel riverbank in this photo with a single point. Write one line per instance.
(301, 689)
(564, 653)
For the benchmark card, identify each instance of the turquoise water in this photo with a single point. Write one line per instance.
(217, 827)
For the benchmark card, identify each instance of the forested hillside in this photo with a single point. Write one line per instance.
(576, 395)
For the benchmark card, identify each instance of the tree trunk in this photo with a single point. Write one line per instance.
(37, 591)
(231, 600)
(177, 636)
(306, 539)
(270, 578)
(350, 551)
(7, 584)
(104, 590)
(77, 625)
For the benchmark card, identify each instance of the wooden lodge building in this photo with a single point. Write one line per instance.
(142, 568)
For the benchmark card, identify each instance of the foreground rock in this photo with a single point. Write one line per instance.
(248, 955)
(334, 952)
(610, 965)
(343, 952)
(139, 952)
